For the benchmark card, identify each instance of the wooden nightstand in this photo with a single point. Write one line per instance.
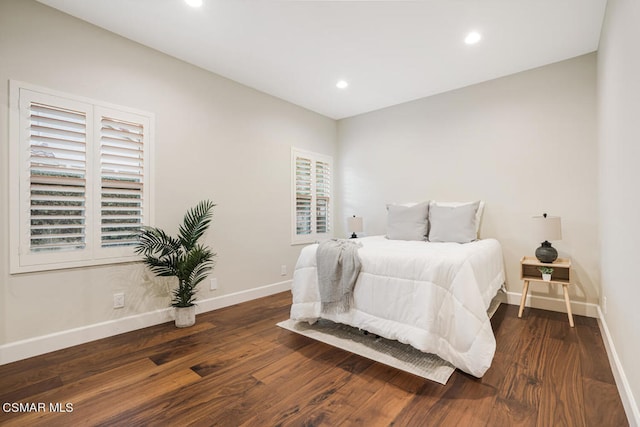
(561, 274)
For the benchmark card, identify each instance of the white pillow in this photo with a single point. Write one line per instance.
(453, 223)
(455, 204)
(406, 204)
(407, 222)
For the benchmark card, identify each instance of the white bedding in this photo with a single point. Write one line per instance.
(433, 296)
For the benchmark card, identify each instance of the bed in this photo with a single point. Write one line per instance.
(432, 295)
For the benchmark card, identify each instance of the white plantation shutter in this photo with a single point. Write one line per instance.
(122, 178)
(323, 197)
(57, 178)
(79, 180)
(304, 199)
(312, 196)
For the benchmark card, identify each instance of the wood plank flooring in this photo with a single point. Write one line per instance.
(236, 368)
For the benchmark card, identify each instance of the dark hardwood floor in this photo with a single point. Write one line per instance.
(235, 367)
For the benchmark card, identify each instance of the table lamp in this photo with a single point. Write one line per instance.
(547, 228)
(354, 224)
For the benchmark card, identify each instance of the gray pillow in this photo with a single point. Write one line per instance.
(407, 222)
(453, 223)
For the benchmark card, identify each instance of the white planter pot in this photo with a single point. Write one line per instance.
(546, 277)
(185, 316)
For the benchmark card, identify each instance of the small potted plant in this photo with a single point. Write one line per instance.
(546, 273)
(182, 257)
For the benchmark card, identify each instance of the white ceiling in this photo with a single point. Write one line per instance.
(389, 51)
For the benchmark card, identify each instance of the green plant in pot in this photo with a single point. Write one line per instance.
(182, 256)
(546, 272)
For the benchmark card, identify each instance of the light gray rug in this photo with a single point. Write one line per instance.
(389, 352)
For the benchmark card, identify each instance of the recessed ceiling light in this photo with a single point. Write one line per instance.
(194, 3)
(342, 84)
(472, 38)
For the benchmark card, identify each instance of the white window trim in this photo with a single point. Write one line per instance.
(297, 239)
(19, 263)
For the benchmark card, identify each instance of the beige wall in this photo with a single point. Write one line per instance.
(619, 144)
(215, 139)
(526, 144)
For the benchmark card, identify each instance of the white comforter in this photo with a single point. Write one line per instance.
(433, 296)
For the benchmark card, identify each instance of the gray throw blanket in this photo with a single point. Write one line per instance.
(338, 269)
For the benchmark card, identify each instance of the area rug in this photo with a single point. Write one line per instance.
(389, 352)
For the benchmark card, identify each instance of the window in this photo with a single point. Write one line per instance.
(79, 180)
(312, 204)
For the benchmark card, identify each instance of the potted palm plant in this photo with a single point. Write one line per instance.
(182, 256)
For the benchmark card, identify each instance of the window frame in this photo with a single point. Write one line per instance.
(314, 235)
(22, 259)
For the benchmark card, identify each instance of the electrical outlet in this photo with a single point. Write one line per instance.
(283, 270)
(604, 305)
(213, 284)
(118, 300)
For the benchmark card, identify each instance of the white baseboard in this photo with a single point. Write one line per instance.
(242, 296)
(44, 344)
(554, 304)
(626, 395)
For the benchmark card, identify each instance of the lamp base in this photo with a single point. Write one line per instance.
(546, 253)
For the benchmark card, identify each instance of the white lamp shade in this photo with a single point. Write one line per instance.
(547, 228)
(354, 224)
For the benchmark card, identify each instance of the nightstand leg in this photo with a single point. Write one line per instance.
(566, 300)
(525, 289)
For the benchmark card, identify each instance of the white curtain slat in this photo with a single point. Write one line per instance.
(121, 171)
(47, 187)
(60, 161)
(58, 245)
(55, 199)
(57, 227)
(61, 134)
(38, 109)
(124, 236)
(108, 122)
(124, 193)
(56, 143)
(123, 152)
(52, 217)
(41, 171)
(58, 123)
(121, 135)
(57, 236)
(122, 175)
(118, 144)
(73, 183)
(112, 185)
